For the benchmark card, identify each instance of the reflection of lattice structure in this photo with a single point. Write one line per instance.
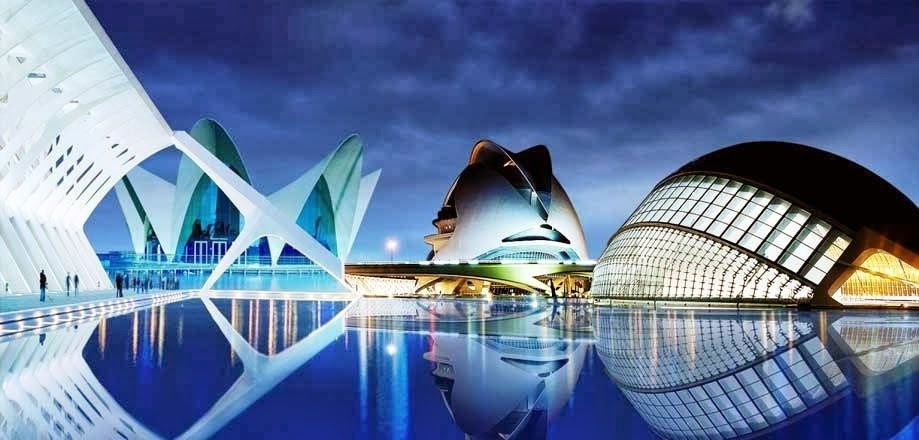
(879, 344)
(716, 375)
(48, 391)
(367, 308)
(379, 286)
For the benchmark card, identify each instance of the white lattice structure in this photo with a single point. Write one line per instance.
(73, 121)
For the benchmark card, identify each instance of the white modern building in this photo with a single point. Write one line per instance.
(74, 120)
(191, 220)
(507, 206)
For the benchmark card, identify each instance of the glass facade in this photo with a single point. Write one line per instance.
(746, 239)
(713, 375)
(658, 262)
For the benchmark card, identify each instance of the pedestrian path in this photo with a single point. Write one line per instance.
(28, 301)
(49, 317)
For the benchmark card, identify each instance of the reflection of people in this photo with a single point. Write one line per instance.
(42, 284)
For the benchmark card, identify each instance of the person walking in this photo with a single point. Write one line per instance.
(42, 284)
(67, 283)
(118, 281)
(76, 284)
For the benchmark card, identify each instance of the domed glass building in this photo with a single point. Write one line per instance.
(507, 206)
(767, 222)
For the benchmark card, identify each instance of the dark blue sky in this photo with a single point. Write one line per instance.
(622, 94)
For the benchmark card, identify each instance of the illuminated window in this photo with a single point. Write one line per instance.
(881, 277)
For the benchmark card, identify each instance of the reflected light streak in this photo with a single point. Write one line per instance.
(181, 330)
(272, 327)
(258, 307)
(286, 324)
(103, 336)
(161, 336)
(134, 336)
(152, 323)
(250, 331)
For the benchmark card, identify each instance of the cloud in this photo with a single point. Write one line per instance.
(622, 94)
(796, 13)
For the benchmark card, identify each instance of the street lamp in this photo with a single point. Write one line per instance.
(391, 246)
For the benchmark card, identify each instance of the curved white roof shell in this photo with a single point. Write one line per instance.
(73, 121)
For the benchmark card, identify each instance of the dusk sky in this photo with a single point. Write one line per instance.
(622, 94)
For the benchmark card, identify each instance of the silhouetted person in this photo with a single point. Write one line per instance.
(67, 283)
(42, 284)
(118, 281)
(76, 284)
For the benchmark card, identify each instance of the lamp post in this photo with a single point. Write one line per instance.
(391, 246)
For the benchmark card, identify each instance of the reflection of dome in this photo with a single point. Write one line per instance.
(526, 384)
(767, 221)
(506, 205)
(717, 374)
(729, 374)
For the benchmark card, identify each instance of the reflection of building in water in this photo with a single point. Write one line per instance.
(439, 310)
(726, 374)
(528, 382)
(48, 390)
(271, 326)
(878, 344)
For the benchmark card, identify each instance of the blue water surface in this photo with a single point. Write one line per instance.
(257, 368)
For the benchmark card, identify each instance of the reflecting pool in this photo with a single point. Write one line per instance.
(243, 366)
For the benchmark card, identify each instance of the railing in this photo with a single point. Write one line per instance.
(473, 262)
(195, 261)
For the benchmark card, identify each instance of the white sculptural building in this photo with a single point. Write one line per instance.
(193, 221)
(74, 121)
(507, 206)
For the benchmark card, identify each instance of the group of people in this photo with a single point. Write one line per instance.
(43, 284)
(142, 283)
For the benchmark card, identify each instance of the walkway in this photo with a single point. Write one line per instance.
(28, 301)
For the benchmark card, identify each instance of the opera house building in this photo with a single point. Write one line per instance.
(767, 222)
(507, 206)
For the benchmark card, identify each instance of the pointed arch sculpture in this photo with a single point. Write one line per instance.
(74, 120)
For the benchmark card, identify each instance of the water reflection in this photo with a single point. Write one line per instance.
(727, 374)
(53, 385)
(505, 387)
(505, 371)
(49, 391)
